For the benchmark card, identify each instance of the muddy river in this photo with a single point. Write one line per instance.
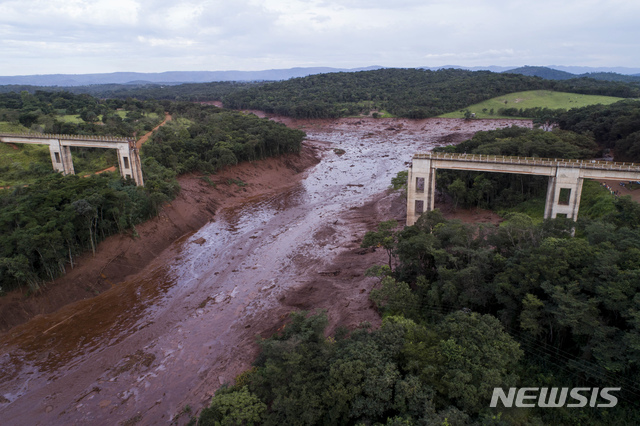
(150, 348)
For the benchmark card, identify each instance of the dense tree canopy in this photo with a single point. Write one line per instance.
(45, 112)
(403, 371)
(615, 126)
(553, 293)
(412, 93)
(213, 138)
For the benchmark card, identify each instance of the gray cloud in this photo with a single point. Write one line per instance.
(80, 36)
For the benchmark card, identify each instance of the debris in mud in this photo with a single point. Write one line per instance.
(329, 273)
(132, 420)
(363, 251)
(267, 287)
(135, 361)
(95, 389)
(339, 151)
(200, 241)
(204, 302)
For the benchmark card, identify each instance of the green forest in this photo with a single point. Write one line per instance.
(615, 127)
(47, 223)
(412, 93)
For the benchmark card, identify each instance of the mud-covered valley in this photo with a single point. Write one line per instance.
(179, 308)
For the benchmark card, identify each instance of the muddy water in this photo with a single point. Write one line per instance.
(142, 351)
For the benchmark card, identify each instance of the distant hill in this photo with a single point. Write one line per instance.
(575, 72)
(170, 77)
(554, 74)
(586, 70)
(551, 72)
(492, 68)
(612, 76)
(543, 72)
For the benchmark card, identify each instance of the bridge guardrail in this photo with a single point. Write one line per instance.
(533, 161)
(68, 137)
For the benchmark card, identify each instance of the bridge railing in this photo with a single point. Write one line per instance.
(67, 137)
(533, 161)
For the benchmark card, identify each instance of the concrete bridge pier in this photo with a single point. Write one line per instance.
(61, 157)
(563, 194)
(129, 162)
(421, 188)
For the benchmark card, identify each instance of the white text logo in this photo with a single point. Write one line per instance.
(555, 397)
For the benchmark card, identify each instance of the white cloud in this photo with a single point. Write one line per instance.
(166, 42)
(70, 12)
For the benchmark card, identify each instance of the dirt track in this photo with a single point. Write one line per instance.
(173, 332)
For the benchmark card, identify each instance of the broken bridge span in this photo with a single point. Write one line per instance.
(565, 176)
(59, 147)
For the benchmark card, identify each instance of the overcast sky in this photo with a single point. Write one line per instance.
(95, 36)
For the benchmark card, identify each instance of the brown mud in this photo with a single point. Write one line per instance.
(185, 318)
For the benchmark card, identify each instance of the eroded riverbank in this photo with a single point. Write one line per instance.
(171, 334)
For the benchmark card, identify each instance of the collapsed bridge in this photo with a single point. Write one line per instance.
(565, 178)
(59, 147)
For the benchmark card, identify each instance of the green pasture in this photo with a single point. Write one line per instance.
(22, 164)
(121, 113)
(532, 99)
(6, 127)
(23, 154)
(75, 119)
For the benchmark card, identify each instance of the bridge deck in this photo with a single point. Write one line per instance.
(81, 138)
(531, 161)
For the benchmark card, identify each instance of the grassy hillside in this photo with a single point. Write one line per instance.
(533, 99)
(6, 127)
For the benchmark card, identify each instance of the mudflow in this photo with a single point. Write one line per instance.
(171, 334)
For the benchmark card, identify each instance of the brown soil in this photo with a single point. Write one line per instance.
(120, 256)
(614, 185)
(108, 169)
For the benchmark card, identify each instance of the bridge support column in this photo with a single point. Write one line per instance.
(61, 157)
(421, 188)
(136, 166)
(563, 193)
(129, 162)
